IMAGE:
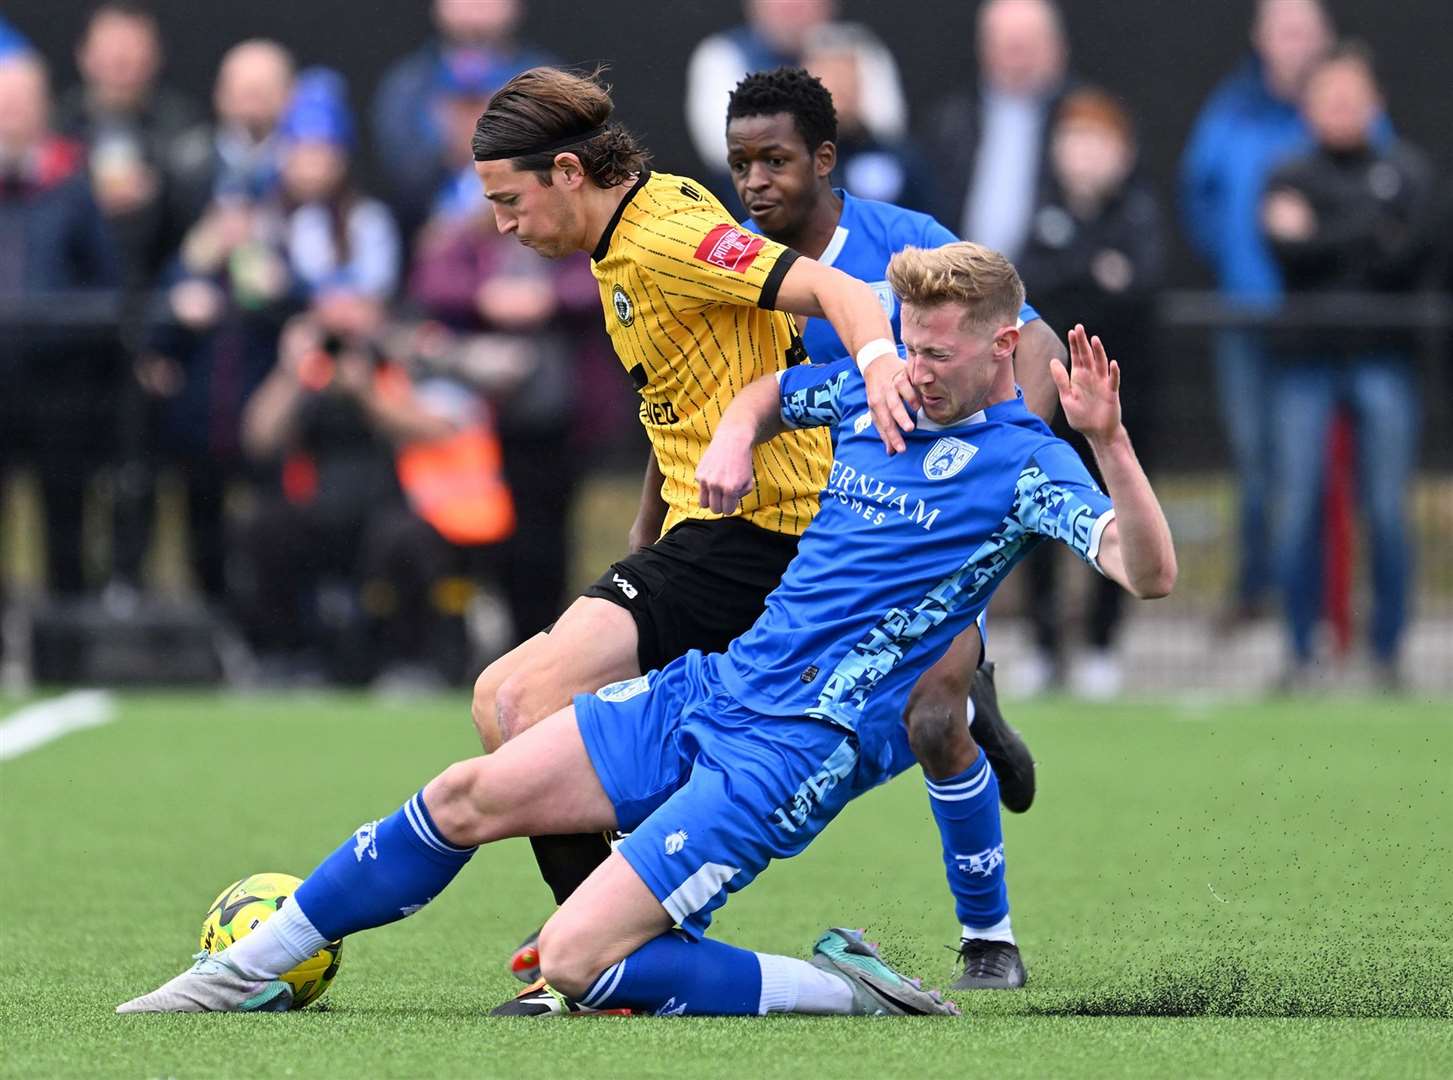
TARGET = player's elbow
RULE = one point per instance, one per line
(1158, 581)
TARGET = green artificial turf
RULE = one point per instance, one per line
(1201, 890)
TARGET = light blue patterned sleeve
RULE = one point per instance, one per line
(812, 394)
(1056, 498)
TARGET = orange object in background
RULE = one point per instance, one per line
(457, 485)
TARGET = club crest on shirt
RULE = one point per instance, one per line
(625, 312)
(947, 457)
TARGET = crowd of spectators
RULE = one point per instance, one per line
(372, 400)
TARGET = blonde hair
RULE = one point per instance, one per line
(979, 279)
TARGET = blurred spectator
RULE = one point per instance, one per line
(337, 240)
(885, 168)
(524, 326)
(409, 130)
(229, 292)
(1250, 123)
(11, 40)
(1353, 214)
(337, 575)
(134, 129)
(990, 144)
(774, 35)
(238, 158)
(1095, 255)
(55, 386)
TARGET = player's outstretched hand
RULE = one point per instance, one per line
(892, 401)
(1089, 392)
(724, 474)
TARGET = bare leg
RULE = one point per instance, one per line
(593, 644)
(539, 784)
(609, 917)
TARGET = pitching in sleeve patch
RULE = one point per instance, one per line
(730, 248)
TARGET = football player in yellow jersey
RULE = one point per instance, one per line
(697, 308)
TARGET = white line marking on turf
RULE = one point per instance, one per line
(35, 725)
(1213, 892)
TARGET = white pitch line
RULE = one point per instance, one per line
(35, 725)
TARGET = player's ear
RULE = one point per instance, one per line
(1006, 340)
(824, 159)
(572, 173)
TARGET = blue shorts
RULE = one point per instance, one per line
(709, 791)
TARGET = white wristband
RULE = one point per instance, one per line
(872, 350)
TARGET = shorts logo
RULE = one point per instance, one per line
(625, 586)
(730, 248)
(861, 423)
(622, 304)
(947, 457)
(625, 689)
(675, 842)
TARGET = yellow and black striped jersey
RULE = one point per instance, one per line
(687, 297)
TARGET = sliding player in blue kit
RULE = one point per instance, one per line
(720, 763)
(781, 151)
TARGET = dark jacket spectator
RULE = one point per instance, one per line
(134, 130)
(237, 159)
(871, 166)
(990, 144)
(409, 130)
(1353, 213)
(1095, 255)
(57, 383)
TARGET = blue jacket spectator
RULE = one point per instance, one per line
(1247, 128)
(1243, 132)
(408, 127)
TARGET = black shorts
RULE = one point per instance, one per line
(698, 587)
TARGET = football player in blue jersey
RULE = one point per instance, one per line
(781, 134)
(720, 763)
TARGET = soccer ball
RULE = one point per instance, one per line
(244, 906)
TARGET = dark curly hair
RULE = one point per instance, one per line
(545, 106)
(792, 91)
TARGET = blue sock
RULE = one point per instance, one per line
(386, 870)
(671, 976)
(966, 808)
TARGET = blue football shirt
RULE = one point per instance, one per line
(868, 234)
(904, 553)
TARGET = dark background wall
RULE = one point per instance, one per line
(1163, 56)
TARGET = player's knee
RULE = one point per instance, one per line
(569, 959)
(939, 736)
(513, 701)
(458, 801)
(523, 699)
(483, 709)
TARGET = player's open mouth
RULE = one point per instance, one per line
(758, 209)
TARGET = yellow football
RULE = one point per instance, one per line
(244, 906)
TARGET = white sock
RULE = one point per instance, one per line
(278, 945)
(1000, 931)
(790, 985)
